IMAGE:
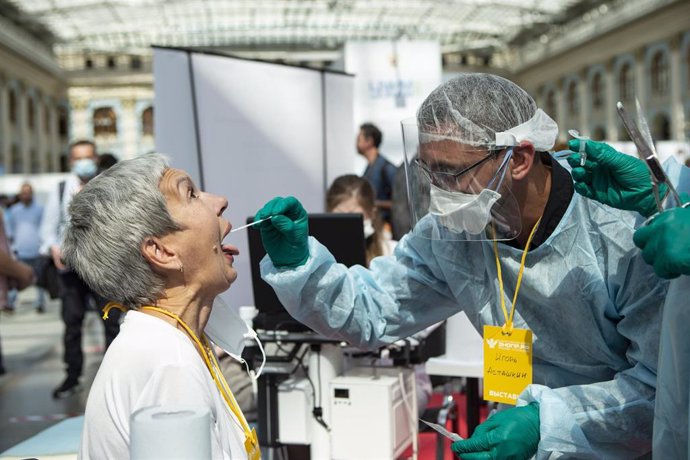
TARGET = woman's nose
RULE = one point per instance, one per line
(223, 202)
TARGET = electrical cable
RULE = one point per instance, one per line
(318, 411)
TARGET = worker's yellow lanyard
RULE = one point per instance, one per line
(251, 443)
(507, 350)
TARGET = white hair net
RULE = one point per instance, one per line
(485, 110)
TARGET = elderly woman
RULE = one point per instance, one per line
(141, 234)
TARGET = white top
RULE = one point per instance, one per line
(152, 363)
(55, 214)
(388, 244)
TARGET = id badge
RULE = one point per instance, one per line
(507, 363)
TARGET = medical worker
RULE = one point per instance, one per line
(504, 236)
(623, 182)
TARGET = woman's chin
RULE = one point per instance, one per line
(231, 277)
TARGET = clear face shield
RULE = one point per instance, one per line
(458, 191)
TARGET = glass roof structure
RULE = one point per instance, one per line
(131, 25)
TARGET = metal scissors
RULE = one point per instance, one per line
(646, 152)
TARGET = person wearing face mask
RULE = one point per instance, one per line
(507, 241)
(353, 194)
(75, 295)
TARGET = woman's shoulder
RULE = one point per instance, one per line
(148, 342)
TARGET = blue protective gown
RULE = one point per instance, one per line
(673, 382)
(592, 303)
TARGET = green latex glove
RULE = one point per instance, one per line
(285, 236)
(664, 243)
(511, 434)
(613, 178)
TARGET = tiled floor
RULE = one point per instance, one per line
(32, 352)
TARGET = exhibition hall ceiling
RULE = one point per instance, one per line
(131, 25)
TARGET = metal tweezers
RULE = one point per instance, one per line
(649, 156)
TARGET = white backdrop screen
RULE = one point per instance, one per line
(264, 130)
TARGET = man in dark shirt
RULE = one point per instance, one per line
(380, 172)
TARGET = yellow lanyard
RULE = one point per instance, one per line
(251, 443)
(508, 326)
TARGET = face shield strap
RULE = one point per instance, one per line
(540, 130)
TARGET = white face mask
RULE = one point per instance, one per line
(466, 212)
(462, 212)
(229, 331)
(368, 228)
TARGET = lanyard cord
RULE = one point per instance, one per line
(508, 326)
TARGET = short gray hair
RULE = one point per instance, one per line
(109, 219)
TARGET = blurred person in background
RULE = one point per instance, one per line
(12, 274)
(355, 195)
(380, 172)
(24, 222)
(75, 294)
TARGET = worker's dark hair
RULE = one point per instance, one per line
(370, 131)
(106, 160)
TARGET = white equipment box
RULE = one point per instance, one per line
(369, 417)
(294, 411)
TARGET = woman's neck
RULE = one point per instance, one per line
(193, 309)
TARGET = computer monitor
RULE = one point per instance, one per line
(342, 234)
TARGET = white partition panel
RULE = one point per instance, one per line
(264, 130)
(174, 110)
(340, 143)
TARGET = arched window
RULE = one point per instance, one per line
(17, 163)
(626, 82)
(659, 73)
(35, 162)
(687, 66)
(13, 106)
(661, 128)
(104, 122)
(147, 122)
(597, 91)
(573, 99)
(551, 108)
(62, 121)
(31, 113)
(46, 118)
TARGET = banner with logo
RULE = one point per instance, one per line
(391, 81)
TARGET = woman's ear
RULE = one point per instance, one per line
(522, 160)
(160, 256)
